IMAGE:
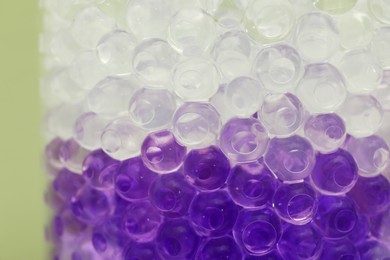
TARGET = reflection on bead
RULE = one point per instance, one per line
(339, 249)
(142, 251)
(88, 129)
(219, 248)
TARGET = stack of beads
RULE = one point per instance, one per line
(217, 129)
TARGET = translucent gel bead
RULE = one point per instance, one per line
(196, 125)
(373, 249)
(152, 109)
(177, 240)
(243, 96)
(228, 13)
(219, 248)
(213, 213)
(322, 88)
(232, 53)
(326, 132)
(371, 153)
(371, 195)
(291, 158)
(361, 230)
(251, 185)
(142, 251)
(273, 255)
(335, 173)
(88, 129)
(380, 46)
(67, 184)
(335, 6)
(362, 71)
(133, 180)
(196, 79)
(171, 194)
(380, 9)
(72, 155)
(100, 170)
(279, 67)
(141, 221)
(316, 37)
(300, 242)
(153, 60)
(90, 205)
(191, 31)
(267, 21)
(356, 30)
(281, 114)
(339, 249)
(52, 152)
(121, 139)
(382, 93)
(65, 225)
(82, 250)
(295, 203)
(379, 226)
(207, 168)
(336, 216)
(161, 152)
(362, 115)
(257, 231)
(243, 139)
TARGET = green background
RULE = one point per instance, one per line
(22, 213)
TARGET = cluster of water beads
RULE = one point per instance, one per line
(226, 129)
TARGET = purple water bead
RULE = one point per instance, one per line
(274, 255)
(219, 248)
(300, 242)
(379, 225)
(336, 216)
(371, 195)
(361, 230)
(100, 170)
(133, 179)
(251, 185)
(52, 153)
(243, 139)
(290, 158)
(172, 195)
(339, 249)
(66, 226)
(138, 251)
(207, 168)
(372, 249)
(72, 155)
(335, 173)
(177, 240)
(257, 231)
(213, 213)
(162, 153)
(295, 203)
(67, 184)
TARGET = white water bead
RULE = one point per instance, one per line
(279, 67)
(382, 93)
(380, 46)
(362, 115)
(191, 31)
(196, 79)
(62, 46)
(335, 6)
(228, 13)
(361, 70)
(380, 9)
(244, 96)
(322, 88)
(64, 88)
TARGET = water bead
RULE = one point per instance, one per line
(274, 255)
(295, 203)
(196, 79)
(361, 231)
(335, 6)
(67, 184)
(380, 46)
(65, 226)
(171, 194)
(219, 248)
(339, 249)
(316, 37)
(142, 251)
(213, 213)
(335, 173)
(251, 185)
(291, 158)
(72, 155)
(133, 180)
(362, 115)
(257, 231)
(196, 125)
(267, 21)
(379, 227)
(191, 31)
(228, 13)
(326, 132)
(52, 152)
(382, 93)
(82, 250)
(278, 66)
(170, 242)
(281, 114)
(322, 88)
(336, 216)
(380, 9)
(162, 153)
(88, 129)
(356, 30)
(152, 109)
(243, 139)
(373, 249)
(300, 242)
(121, 139)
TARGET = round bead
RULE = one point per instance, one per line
(243, 139)
(335, 7)
(379, 227)
(380, 10)
(171, 194)
(161, 153)
(339, 249)
(227, 14)
(142, 251)
(290, 158)
(72, 155)
(88, 129)
(295, 203)
(65, 225)
(257, 231)
(380, 46)
(382, 93)
(196, 125)
(373, 249)
(67, 184)
(52, 152)
(335, 173)
(213, 213)
(326, 132)
(274, 255)
(219, 248)
(251, 185)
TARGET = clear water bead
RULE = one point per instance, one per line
(380, 9)
(335, 6)
(382, 93)
(88, 129)
(380, 46)
(228, 13)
